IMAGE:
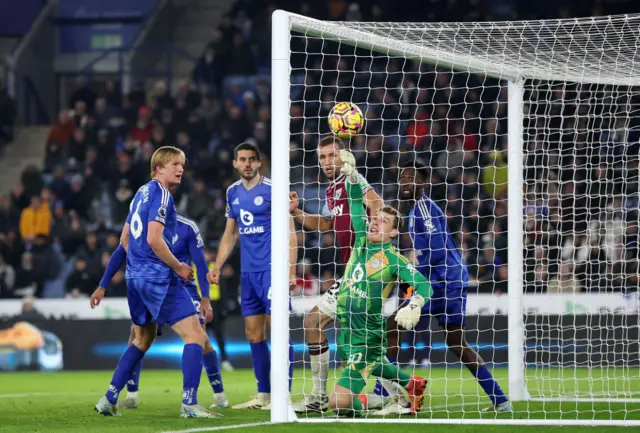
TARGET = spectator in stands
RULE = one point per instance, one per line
(29, 311)
(84, 94)
(91, 251)
(46, 265)
(7, 279)
(8, 115)
(77, 147)
(55, 156)
(9, 215)
(35, 220)
(241, 60)
(31, 181)
(12, 247)
(81, 283)
(79, 115)
(112, 94)
(209, 71)
(61, 131)
(104, 113)
(121, 200)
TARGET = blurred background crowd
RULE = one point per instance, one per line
(61, 222)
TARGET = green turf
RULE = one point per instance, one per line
(63, 402)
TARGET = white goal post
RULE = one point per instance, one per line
(597, 51)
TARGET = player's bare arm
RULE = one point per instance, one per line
(161, 249)
(96, 297)
(227, 243)
(317, 223)
(372, 201)
(293, 252)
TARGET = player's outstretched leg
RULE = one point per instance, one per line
(256, 332)
(414, 388)
(381, 393)
(144, 336)
(459, 347)
(212, 368)
(194, 338)
(314, 323)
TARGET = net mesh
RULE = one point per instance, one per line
(437, 94)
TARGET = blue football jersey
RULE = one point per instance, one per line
(188, 247)
(252, 211)
(152, 202)
(439, 260)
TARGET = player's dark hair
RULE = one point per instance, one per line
(332, 139)
(397, 223)
(246, 146)
(421, 169)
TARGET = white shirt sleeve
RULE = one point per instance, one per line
(325, 211)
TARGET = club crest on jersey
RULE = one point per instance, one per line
(246, 217)
(376, 263)
(258, 200)
(338, 194)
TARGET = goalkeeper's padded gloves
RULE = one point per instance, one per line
(349, 166)
(409, 316)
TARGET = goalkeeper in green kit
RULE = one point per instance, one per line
(373, 269)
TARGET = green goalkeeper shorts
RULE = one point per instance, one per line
(360, 360)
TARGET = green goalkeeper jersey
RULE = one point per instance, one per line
(370, 274)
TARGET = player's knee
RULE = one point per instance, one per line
(208, 348)
(312, 321)
(340, 400)
(255, 335)
(143, 342)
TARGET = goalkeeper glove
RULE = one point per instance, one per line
(349, 166)
(409, 316)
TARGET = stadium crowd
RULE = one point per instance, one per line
(60, 223)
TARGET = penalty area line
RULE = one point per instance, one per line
(221, 427)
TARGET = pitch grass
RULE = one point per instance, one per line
(63, 402)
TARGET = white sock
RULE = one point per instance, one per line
(391, 387)
(132, 395)
(375, 401)
(395, 389)
(320, 373)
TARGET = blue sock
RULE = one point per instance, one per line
(262, 365)
(212, 368)
(379, 389)
(490, 386)
(134, 381)
(123, 372)
(291, 361)
(191, 371)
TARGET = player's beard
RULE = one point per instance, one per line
(407, 192)
(331, 175)
(249, 176)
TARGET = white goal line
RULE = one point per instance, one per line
(587, 399)
(496, 421)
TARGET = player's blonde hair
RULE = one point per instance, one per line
(163, 156)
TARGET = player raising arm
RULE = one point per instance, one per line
(335, 216)
(373, 269)
(440, 261)
(154, 293)
(188, 248)
(249, 216)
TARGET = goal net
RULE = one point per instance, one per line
(530, 133)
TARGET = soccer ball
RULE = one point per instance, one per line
(345, 119)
